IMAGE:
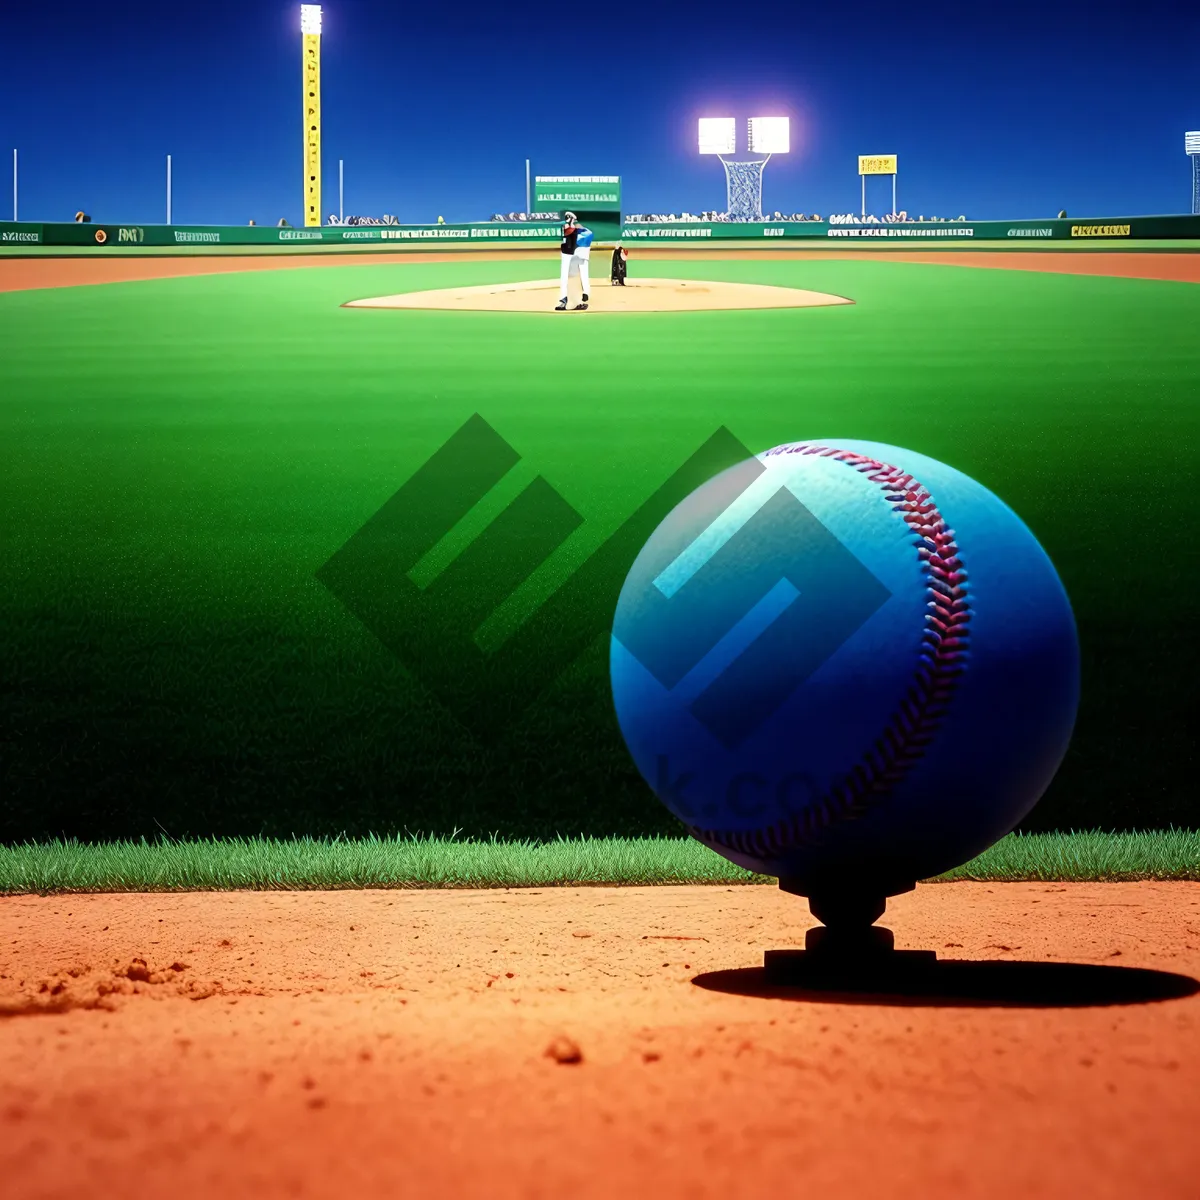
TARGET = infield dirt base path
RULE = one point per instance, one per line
(395, 1044)
(23, 274)
(1177, 268)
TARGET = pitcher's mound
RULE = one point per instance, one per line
(639, 295)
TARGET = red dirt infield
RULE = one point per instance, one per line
(590, 1043)
(23, 274)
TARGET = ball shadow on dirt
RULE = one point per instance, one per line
(964, 984)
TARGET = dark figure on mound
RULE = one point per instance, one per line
(620, 265)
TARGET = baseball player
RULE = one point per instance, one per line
(576, 252)
(620, 265)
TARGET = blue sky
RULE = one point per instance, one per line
(1015, 113)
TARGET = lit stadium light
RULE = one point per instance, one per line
(310, 18)
(770, 135)
(718, 135)
(1191, 142)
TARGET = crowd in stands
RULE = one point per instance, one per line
(899, 218)
(656, 218)
(386, 219)
(520, 216)
(778, 216)
(834, 219)
(712, 217)
(718, 217)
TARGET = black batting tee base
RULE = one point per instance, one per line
(848, 951)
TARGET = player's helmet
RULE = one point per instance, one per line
(570, 218)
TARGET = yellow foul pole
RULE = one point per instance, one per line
(310, 27)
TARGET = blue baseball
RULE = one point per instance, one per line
(844, 659)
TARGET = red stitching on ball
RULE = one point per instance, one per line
(945, 647)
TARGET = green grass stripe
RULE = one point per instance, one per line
(179, 457)
(1088, 857)
(263, 864)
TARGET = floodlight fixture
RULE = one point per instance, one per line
(718, 135)
(310, 19)
(769, 135)
(1191, 142)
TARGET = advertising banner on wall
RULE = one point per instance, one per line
(22, 234)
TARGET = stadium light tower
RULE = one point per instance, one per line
(1191, 143)
(310, 27)
(743, 178)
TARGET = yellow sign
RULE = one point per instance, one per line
(1099, 230)
(877, 164)
(312, 129)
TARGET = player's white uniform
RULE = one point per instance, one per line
(577, 262)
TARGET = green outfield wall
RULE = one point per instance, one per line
(114, 237)
(108, 237)
(929, 231)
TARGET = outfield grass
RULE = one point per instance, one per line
(180, 457)
(308, 864)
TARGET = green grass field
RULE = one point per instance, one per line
(179, 458)
(312, 864)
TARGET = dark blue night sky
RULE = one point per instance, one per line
(1012, 113)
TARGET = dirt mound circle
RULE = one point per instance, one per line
(638, 296)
